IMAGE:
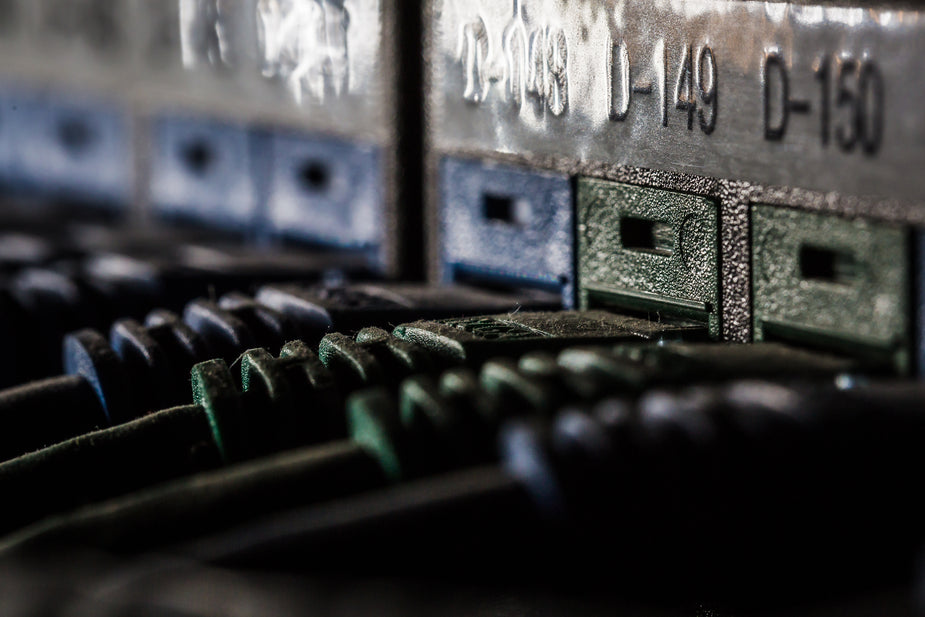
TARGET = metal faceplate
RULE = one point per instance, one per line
(817, 97)
(317, 58)
(315, 64)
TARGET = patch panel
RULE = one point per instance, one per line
(644, 105)
(674, 307)
(204, 111)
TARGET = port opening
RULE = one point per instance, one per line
(314, 176)
(505, 209)
(645, 236)
(75, 135)
(198, 157)
(827, 265)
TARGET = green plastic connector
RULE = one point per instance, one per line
(214, 390)
(833, 282)
(650, 251)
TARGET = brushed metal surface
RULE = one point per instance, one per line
(552, 78)
(320, 64)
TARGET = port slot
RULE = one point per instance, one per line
(69, 148)
(648, 252)
(198, 157)
(503, 224)
(314, 176)
(644, 236)
(832, 283)
(827, 265)
(203, 172)
(506, 210)
(498, 208)
(75, 136)
(325, 192)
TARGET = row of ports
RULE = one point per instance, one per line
(817, 279)
(820, 278)
(269, 182)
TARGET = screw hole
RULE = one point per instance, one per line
(314, 175)
(198, 157)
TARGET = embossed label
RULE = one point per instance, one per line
(531, 63)
(818, 97)
(304, 44)
(207, 33)
(849, 107)
(320, 65)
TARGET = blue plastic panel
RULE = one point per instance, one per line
(7, 113)
(325, 191)
(73, 148)
(503, 224)
(202, 171)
